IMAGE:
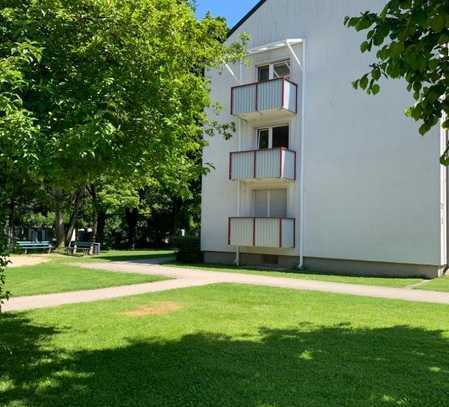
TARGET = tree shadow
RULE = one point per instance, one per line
(144, 256)
(306, 366)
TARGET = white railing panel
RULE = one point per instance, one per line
(244, 99)
(241, 231)
(288, 233)
(267, 232)
(290, 95)
(242, 166)
(289, 162)
(269, 95)
(268, 163)
(262, 232)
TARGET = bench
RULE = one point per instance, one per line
(26, 245)
(89, 248)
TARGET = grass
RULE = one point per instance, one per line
(53, 277)
(438, 284)
(377, 281)
(228, 346)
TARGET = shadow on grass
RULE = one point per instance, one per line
(307, 366)
(128, 256)
(137, 256)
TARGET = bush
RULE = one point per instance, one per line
(189, 250)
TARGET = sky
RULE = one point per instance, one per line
(233, 10)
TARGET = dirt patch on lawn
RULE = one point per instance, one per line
(158, 308)
(27, 260)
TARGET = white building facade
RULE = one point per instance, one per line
(319, 175)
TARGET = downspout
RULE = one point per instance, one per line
(237, 249)
(446, 139)
(301, 175)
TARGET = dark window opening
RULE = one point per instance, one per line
(264, 139)
(263, 73)
(280, 137)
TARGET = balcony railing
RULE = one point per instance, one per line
(276, 163)
(277, 98)
(262, 232)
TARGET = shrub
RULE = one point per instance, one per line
(189, 250)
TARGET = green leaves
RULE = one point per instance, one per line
(438, 23)
(93, 90)
(412, 39)
(112, 87)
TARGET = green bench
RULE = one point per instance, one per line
(26, 245)
(89, 248)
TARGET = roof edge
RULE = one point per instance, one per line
(246, 17)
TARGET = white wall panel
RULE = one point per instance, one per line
(372, 184)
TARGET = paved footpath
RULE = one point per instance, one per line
(185, 277)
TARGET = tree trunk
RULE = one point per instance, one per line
(131, 219)
(101, 223)
(58, 197)
(59, 227)
(99, 216)
(93, 195)
(74, 216)
(11, 223)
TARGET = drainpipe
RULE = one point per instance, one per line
(446, 141)
(239, 129)
(301, 176)
(237, 249)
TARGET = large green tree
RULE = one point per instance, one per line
(411, 39)
(17, 128)
(119, 90)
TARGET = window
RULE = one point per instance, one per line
(275, 70)
(281, 70)
(263, 73)
(280, 137)
(270, 203)
(273, 137)
(263, 139)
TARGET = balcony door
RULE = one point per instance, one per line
(276, 70)
(273, 137)
(271, 203)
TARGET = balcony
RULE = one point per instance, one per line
(278, 164)
(274, 99)
(262, 232)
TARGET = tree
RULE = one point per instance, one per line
(16, 126)
(119, 90)
(411, 38)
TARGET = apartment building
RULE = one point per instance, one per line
(319, 175)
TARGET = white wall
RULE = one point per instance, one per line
(372, 184)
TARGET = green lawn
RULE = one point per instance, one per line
(380, 281)
(228, 345)
(438, 284)
(53, 277)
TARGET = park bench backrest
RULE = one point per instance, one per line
(81, 244)
(33, 243)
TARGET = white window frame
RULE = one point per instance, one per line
(268, 191)
(271, 68)
(270, 134)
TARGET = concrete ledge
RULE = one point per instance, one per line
(372, 268)
(219, 258)
(330, 266)
(250, 259)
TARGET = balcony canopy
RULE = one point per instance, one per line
(275, 45)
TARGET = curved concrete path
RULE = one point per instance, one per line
(185, 277)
